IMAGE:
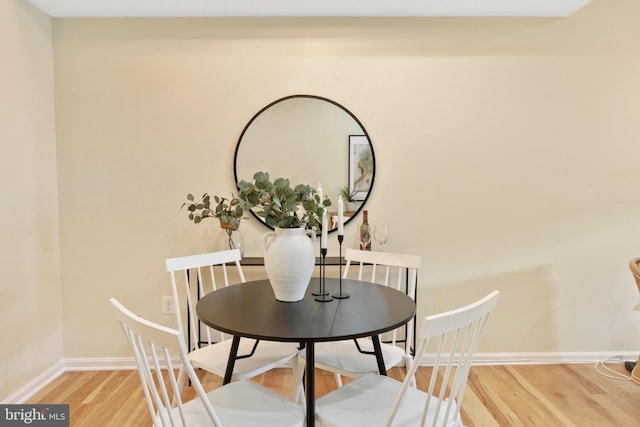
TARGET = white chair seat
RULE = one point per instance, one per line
(344, 358)
(268, 355)
(243, 404)
(366, 402)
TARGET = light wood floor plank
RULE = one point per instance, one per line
(504, 396)
(492, 393)
(542, 409)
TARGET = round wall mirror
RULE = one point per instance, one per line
(310, 140)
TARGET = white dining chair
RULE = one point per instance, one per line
(376, 400)
(160, 351)
(398, 271)
(208, 348)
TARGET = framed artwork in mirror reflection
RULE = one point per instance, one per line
(360, 166)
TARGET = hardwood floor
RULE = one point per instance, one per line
(522, 395)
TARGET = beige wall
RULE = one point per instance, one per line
(30, 305)
(507, 157)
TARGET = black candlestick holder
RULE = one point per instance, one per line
(324, 296)
(340, 294)
(320, 290)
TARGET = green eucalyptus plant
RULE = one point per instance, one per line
(281, 205)
(228, 211)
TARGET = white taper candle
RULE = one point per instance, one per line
(340, 216)
(321, 194)
(325, 231)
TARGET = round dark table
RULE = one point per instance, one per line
(251, 310)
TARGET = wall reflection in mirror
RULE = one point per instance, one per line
(310, 140)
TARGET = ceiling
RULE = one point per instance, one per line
(306, 8)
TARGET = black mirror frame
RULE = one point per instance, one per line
(266, 107)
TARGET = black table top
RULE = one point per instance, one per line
(251, 310)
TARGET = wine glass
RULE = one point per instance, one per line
(381, 235)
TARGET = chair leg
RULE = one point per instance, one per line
(407, 362)
(635, 373)
(298, 375)
(338, 379)
(180, 381)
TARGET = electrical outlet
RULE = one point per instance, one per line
(168, 305)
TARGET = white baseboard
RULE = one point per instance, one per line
(100, 364)
(479, 359)
(36, 384)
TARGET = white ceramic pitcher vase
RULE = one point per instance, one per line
(289, 260)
